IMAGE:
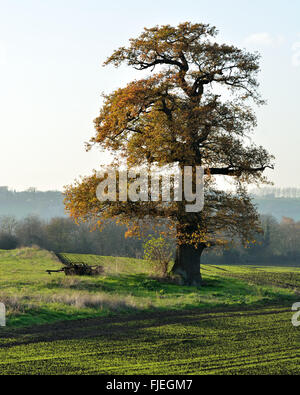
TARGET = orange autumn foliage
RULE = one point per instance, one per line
(192, 108)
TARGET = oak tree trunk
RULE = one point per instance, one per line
(187, 264)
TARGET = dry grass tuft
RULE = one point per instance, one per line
(99, 301)
(16, 304)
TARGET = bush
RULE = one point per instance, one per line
(8, 242)
(158, 252)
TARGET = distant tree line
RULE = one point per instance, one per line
(278, 244)
(290, 193)
(63, 235)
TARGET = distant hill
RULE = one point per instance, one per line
(21, 204)
(277, 202)
(279, 207)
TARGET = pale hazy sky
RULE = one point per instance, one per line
(51, 77)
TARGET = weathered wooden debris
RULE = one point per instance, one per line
(76, 268)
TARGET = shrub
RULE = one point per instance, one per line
(158, 252)
(8, 241)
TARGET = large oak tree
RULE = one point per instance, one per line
(191, 107)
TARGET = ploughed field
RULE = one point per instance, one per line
(129, 322)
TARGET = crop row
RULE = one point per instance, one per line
(194, 343)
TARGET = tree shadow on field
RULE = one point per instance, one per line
(134, 284)
(142, 324)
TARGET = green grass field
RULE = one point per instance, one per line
(129, 322)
